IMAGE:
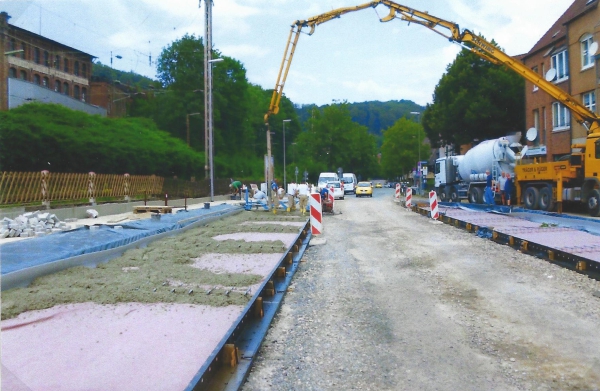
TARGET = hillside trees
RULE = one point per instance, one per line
(333, 140)
(475, 99)
(50, 137)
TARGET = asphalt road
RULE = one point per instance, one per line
(396, 301)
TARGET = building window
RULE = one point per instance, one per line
(57, 86)
(84, 70)
(12, 73)
(587, 58)
(13, 45)
(589, 101)
(535, 69)
(561, 118)
(46, 58)
(37, 79)
(46, 82)
(76, 68)
(76, 92)
(24, 48)
(536, 120)
(36, 55)
(23, 75)
(84, 94)
(66, 65)
(57, 61)
(66, 88)
(560, 63)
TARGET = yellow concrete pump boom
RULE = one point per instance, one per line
(449, 30)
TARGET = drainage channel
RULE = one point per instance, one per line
(230, 362)
(567, 247)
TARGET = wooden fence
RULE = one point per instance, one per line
(44, 186)
(23, 188)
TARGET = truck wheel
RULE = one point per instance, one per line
(546, 199)
(532, 198)
(476, 196)
(453, 195)
(593, 203)
(442, 194)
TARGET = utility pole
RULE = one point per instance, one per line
(208, 89)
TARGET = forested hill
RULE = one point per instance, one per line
(375, 115)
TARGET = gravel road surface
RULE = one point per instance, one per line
(396, 301)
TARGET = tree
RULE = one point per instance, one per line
(333, 140)
(400, 148)
(474, 99)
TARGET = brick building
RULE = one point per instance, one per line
(564, 49)
(35, 68)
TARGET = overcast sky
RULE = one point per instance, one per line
(354, 58)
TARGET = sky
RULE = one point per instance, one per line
(354, 58)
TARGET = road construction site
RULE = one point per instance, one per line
(392, 300)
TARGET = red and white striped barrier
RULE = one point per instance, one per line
(397, 196)
(433, 204)
(316, 213)
(409, 198)
(331, 196)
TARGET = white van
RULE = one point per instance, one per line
(325, 177)
(350, 181)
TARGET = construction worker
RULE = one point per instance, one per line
(291, 196)
(274, 198)
(236, 188)
(303, 195)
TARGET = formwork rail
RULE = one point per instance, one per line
(581, 258)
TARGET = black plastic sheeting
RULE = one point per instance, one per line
(62, 245)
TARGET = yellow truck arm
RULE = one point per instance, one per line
(449, 30)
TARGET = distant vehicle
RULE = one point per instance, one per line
(338, 189)
(378, 185)
(364, 189)
(350, 182)
(325, 177)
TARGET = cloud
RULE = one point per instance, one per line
(241, 51)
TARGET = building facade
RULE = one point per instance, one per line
(562, 55)
(34, 68)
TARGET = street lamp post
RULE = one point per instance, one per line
(418, 114)
(187, 124)
(284, 177)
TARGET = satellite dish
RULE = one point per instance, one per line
(593, 48)
(551, 74)
(531, 134)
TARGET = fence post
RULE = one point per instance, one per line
(45, 194)
(91, 189)
(126, 185)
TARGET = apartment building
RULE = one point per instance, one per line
(34, 68)
(563, 53)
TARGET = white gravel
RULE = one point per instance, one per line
(396, 301)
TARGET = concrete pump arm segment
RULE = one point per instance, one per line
(449, 30)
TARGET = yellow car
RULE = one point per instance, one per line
(364, 189)
(378, 185)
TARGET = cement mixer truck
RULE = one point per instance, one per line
(464, 176)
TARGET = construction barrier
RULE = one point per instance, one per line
(433, 204)
(397, 196)
(316, 214)
(331, 197)
(409, 198)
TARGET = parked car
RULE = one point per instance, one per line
(378, 185)
(364, 189)
(338, 189)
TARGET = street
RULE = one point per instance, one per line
(396, 301)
